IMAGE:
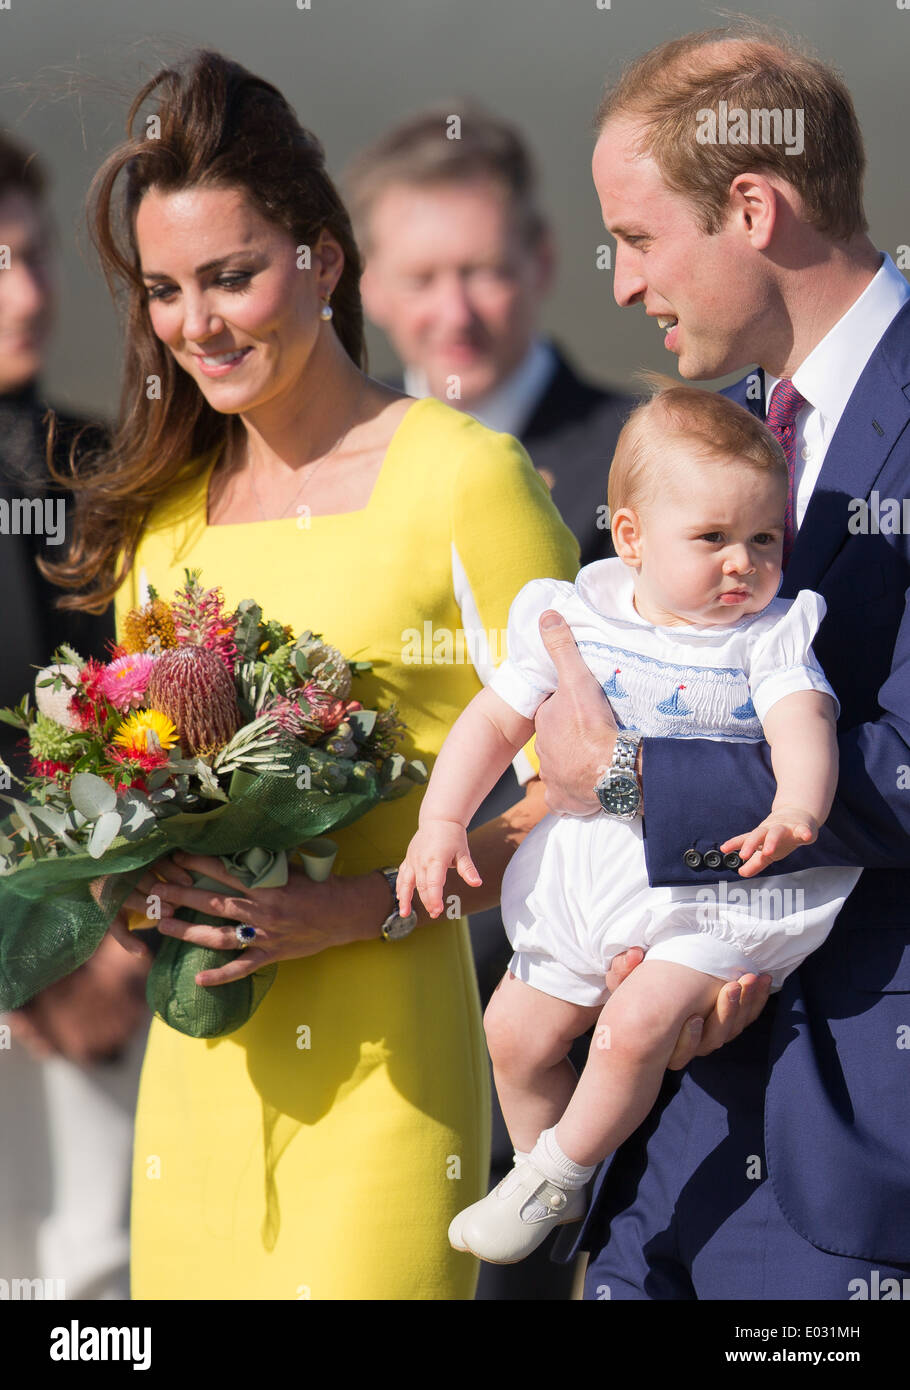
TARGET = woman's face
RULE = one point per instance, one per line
(227, 296)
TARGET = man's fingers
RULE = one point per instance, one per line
(687, 1044)
(561, 646)
(120, 931)
(621, 966)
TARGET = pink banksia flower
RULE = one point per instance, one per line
(308, 714)
(200, 620)
(123, 682)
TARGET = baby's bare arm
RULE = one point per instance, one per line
(802, 735)
(479, 747)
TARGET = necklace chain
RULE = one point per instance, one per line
(311, 474)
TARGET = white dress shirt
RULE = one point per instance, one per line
(828, 375)
(510, 405)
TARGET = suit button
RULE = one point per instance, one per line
(732, 861)
(713, 859)
(692, 858)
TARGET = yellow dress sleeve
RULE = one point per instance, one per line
(506, 530)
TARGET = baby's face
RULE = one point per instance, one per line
(710, 543)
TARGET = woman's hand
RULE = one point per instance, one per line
(300, 919)
(738, 1004)
(143, 901)
(436, 846)
(575, 726)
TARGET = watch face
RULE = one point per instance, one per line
(621, 797)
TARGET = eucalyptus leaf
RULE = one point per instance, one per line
(361, 722)
(391, 769)
(106, 830)
(92, 796)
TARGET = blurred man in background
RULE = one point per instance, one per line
(458, 261)
(69, 1074)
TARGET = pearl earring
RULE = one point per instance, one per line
(326, 312)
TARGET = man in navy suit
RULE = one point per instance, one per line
(779, 1165)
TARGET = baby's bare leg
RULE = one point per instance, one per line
(633, 1042)
(529, 1034)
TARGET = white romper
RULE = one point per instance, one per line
(576, 891)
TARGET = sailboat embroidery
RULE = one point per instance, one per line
(746, 711)
(613, 687)
(673, 704)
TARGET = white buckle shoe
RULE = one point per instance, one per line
(501, 1230)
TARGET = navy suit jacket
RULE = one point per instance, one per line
(837, 1100)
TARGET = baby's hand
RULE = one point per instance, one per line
(437, 845)
(779, 834)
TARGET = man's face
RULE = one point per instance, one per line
(451, 283)
(709, 289)
(27, 290)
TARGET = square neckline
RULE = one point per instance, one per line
(206, 477)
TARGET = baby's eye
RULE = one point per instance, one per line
(764, 538)
(712, 537)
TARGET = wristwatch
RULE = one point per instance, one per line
(618, 791)
(395, 926)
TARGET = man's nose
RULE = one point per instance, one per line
(24, 290)
(629, 284)
(453, 302)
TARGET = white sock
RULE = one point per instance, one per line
(556, 1165)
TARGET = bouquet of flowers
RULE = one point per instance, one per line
(211, 731)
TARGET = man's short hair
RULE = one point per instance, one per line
(21, 171)
(754, 69)
(421, 152)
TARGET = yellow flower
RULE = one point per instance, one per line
(133, 733)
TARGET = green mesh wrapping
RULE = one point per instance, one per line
(50, 923)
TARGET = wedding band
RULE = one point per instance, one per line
(245, 933)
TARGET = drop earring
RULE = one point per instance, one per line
(326, 313)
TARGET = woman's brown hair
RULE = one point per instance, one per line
(216, 126)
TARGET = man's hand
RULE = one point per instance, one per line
(575, 727)
(738, 1004)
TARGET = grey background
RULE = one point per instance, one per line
(352, 67)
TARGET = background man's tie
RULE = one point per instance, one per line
(783, 408)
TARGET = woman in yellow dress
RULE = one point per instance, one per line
(321, 1150)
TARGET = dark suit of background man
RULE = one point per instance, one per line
(458, 262)
(69, 1079)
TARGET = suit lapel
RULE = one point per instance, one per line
(873, 420)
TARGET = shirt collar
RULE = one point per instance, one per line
(509, 406)
(828, 375)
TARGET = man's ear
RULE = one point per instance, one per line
(754, 201)
(626, 533)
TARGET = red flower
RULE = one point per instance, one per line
(89, 706)
(43, 767)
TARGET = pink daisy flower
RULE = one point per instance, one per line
(123, 682)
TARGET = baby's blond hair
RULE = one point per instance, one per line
(721, 431)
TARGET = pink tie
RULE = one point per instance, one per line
(783, 408)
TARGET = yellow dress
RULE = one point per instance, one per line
(322, 1149)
